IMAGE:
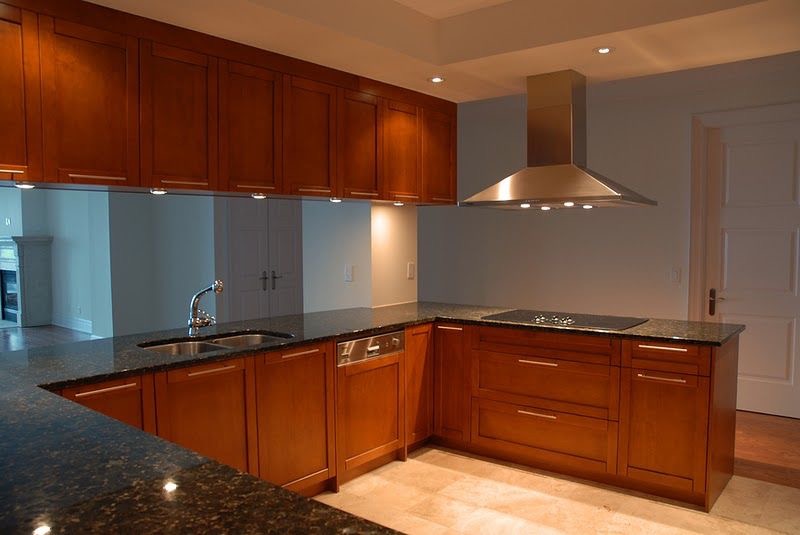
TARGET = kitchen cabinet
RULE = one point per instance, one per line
(90, 104)
(438, 157)
(210, 408)
(451, 382)
(130, 400)
(309, 137)
(419, 383)
(295, 400)
(251, 102)
(402, 173)
(179, 117)
(370, 419)
(663, 428)
(20, 106)
(360, 145)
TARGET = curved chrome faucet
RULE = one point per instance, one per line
(198, 317)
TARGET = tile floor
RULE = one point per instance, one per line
(438, 491)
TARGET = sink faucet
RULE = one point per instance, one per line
(198, 317)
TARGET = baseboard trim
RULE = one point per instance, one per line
(76, 324)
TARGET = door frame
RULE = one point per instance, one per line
(705, 127)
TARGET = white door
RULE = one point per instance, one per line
(265, 258)
(752, 259)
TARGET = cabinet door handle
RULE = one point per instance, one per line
(250, 186)
(97, 177)
(213, 370)
(538, 363)
(443, 199)
(400, 196)
(665, 379)
(12, 171)
(314, 190)
(445, 328)
(664, 348)
(538, 414)
(104, 390)
(184, 182)
(364, 193)
(300, 354)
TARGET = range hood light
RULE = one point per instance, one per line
(569, 204)
(436, 79)
(604, 50)
(525, 205)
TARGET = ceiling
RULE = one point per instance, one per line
(486, 48)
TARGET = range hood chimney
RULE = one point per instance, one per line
(556, 172)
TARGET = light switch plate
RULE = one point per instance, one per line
(348, 273)
(411, 270)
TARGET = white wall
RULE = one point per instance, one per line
(615, 261)
(394, 245)
(335, 234)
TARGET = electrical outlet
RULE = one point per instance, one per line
(348, 273)
(675, 275)
(8, 221)
(411, 270)
(80, 310)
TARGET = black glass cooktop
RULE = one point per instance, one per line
(565, 319)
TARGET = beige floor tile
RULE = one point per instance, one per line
(487, 493)
(486, 521)
(442, 510)
(427, 477)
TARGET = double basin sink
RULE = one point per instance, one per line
(233, 340)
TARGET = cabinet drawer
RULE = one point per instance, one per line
(665, 356)
(560, 385)
(542, 436)
(594, 349)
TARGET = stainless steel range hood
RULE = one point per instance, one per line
(556, 172)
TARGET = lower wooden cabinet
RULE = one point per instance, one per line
(128, 400)
(210, 408)
(370, 407)
(451, 382)
(419, 383)
(294, 395)
(664, 428)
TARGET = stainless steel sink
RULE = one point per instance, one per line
(244, 340)
(186, 348)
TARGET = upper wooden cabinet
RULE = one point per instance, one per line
(438, 157)
(419, 383)
(251, 101)
(402, 175)
(360, 145)
(179, 117)
(309, 137)
(129, 400)
(90, 101)
(20, 105)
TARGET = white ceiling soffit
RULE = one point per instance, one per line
(486, 48)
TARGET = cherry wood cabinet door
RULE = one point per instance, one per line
(370, 409)
(663, 428)
(20, 101)
(309, 137)
(130, 400)
(419, 383)
(210, 408)
(90, 104)
(438, 157)
(179, 117)
(402, 176)
(251, 101)
(451, 383)
(360, 145)
(295, 400)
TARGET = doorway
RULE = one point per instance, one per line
(745, 245)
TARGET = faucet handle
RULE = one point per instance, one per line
(218, 286)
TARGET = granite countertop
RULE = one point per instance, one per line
(77, 470)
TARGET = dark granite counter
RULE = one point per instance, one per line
(79, 471)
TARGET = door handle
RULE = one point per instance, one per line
(263, 278)
(273, 276)
(712, 301)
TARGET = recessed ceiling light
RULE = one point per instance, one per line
(604, 50)
(170, 486)
(397, 203)
(44, 529)
(258, 196)
(525, 205)
(569, 204)
(587, 206)
(436, 79)
(22, 185)
(545, 208)
(335, 199)
(158, 191)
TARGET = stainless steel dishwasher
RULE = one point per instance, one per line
(370, 403)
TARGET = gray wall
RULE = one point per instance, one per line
(614, 261)
(10, 212)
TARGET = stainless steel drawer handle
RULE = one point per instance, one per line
(97, 177)
(538, 363)
(104, 390)
(184, 182)
(665, 379)
(664, 348)
(445, 328)
(364, 193)
(314, 190)
(213, 370)
(300, 353)
(538, 414)
(373, 348)
(399, 196)
(249, 186)
(12, 171)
